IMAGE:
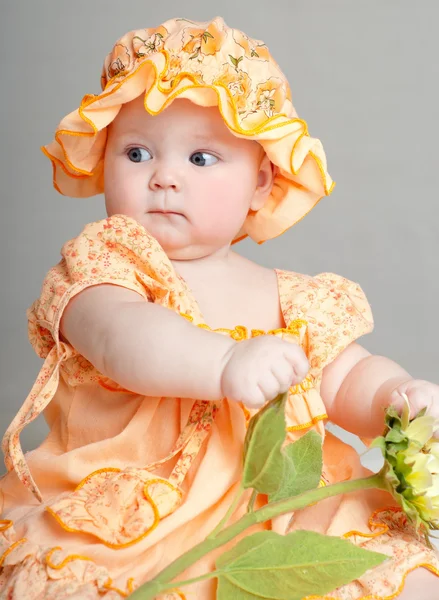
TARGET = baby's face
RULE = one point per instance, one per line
(183, 175)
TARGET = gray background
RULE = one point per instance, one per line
(364, 74)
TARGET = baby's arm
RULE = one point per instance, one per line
(153, 351)
(357, 386)
(144, 347)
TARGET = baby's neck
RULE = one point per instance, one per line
(213, 266)
(232, 290)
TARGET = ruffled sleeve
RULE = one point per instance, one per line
(116, 251)
(336, 311)
(332, 312)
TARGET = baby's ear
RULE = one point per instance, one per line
(266, 175)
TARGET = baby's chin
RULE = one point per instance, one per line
(179, 243)
(188, 251)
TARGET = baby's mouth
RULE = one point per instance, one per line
(164, 212)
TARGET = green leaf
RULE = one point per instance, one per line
(394, 449)
(380, 443)
(392, 418)
(302, 563)
(303, 467)
(235, 61)
(137, 37)
(206, 35)
(395, 436)
(264, 465)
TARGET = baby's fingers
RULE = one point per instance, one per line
(270, 386)
(298, 360)
(418, 398)
(285, 374)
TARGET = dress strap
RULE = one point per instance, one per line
(39, 397)
(198, 410)
(193, 447)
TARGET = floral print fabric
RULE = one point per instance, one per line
(107, 502)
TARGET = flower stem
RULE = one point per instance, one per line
(252, 501)
(163, 581)
(228, 514)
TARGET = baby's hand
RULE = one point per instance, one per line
(259, 369)
(421, 394)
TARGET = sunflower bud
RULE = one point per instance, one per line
(411, 468)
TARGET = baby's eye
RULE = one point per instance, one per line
(138, 154)
(203, 159)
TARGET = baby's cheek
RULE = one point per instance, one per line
(122, 196)
(224, 217)
(212, 218)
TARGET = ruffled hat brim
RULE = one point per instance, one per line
(301, 180)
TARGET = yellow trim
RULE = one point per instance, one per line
(235, 241)
(130, 585)
(71, 557)
(313, 421)
(303, 386)
(107, 586)
(262, 128)
(373, 524)
(5, 524)
(10, 549)
(61, 164)
(241, 332)
(322, 483)
(88, 100)
(97, 472)
(65, 561)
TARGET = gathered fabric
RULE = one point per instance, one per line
(123, 484)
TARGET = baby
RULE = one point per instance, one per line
(160, 342)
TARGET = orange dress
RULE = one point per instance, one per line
(123, 483)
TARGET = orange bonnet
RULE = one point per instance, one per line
(210, 64)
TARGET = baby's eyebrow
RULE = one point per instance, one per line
(203, 137)
(129, 134)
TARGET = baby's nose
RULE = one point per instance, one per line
(165, 178)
